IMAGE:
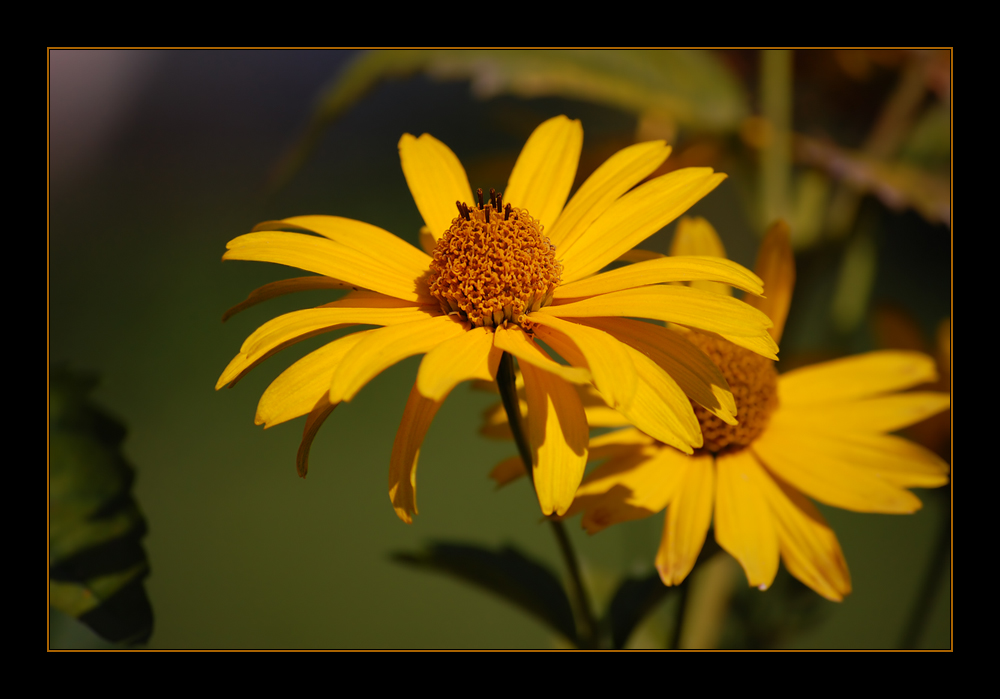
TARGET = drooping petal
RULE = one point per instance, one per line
(470, 355)
(545, 170)
(326, 257)
(634, 217)
(317, 416)
(436, 180)
(373, 241)
(607, 359)
(381, 349)
(723, 315)
(287, 329)
(744, 523)
(613, 178)
(285, 286)
(871, 415)
(417, 418)
(687, 520)
(830, 469)
(557, 434)
(808, 545)
(512, 339)
(855, 377)
(696, 236)
(694, 372)
(776, 266)
(299, 387)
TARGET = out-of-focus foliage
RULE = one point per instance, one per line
(663, 89)
(96, 561)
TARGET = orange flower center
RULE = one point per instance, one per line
(493, 265)
(754, 383)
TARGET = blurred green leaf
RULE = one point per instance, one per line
(507, 573)
(96, 561)
(686, 87)
(635, 599)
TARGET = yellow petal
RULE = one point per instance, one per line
(381, 349)
(545, 170)
(285, 286)
(808, 545)
(660, 408)
(830, 469)
(859, 376)
(639, 255)
(634, 484)
(734, 320)
(287, 329)
(557, 434)
(776, 266)
(696, 236)
(872, 415)
(470, 355)
(299, 387)
(417, 418)
(436, 180)
(329, 258)
(694, 372)
(663, 270)
(607, 359)
(371, 240)
(613, 178)
(612, 443)
(317, 416)
(512, 339)
(635, 217)
(687, 520)
(744, 524)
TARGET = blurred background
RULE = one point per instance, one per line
(158, 158)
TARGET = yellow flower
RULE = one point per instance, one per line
(504, 270)
(819, 431)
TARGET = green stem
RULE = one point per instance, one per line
(587, 627)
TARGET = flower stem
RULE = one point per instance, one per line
(587, 627)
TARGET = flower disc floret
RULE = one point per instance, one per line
(493, 265)
(754, 384)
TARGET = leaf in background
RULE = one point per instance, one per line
(661, 87)
(507, 573)
(635, 599)
(96, 561)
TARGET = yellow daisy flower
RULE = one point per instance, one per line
(504, 270)
(820, 431)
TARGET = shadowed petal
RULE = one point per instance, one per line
(470, 355)
(776, 266)
(317, 416)
(809, 547)
(512, 339)
(417, 418)
(696, 236)
(381, 349)
(557, 434)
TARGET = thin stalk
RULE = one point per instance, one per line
(587, 627)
